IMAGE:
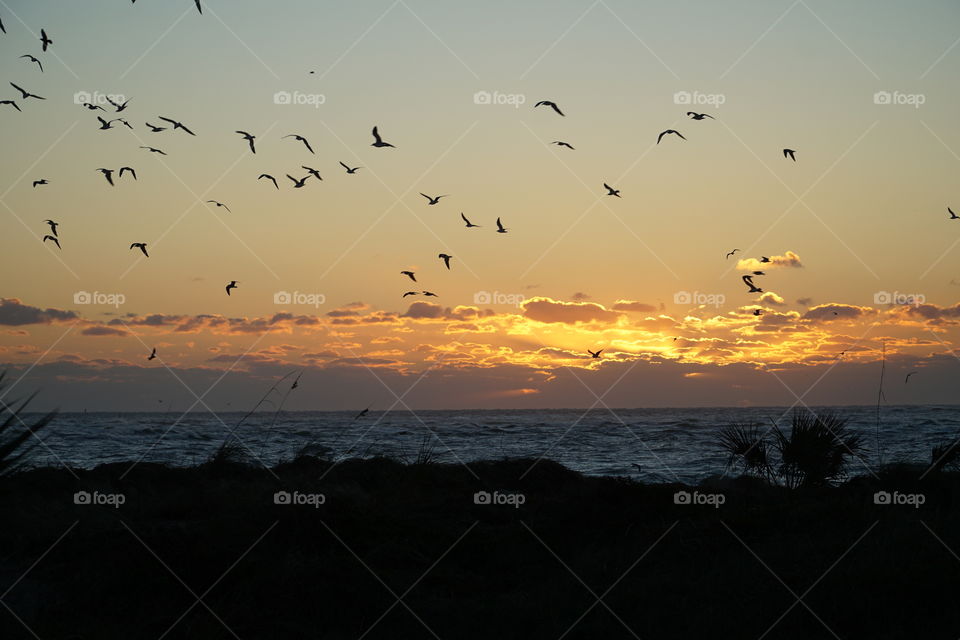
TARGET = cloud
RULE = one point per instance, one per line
(547, 310)
(633, 305)
(13, 313)
(789, 259)
(101, 330)
(771, 299)
(834, 311)
(580, 296)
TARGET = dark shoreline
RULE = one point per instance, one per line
(331, 570)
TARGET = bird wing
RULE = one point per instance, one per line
(376, 135)
(659, 137)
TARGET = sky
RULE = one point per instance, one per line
(864, 258)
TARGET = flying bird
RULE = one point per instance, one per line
(361, 414)
(907, 379)
(433, 200)
(26, 94)
(409, 293)
(2, 28)
(349, 169)
(232, 285)
(759, 273)
(119, 107)
(731, 253)
(12, 104)
(219, 204)
(301, 139)
(748, 280)
(40, 181)
(764, 259)
(53, 226)
(32, 59)
(154, 150)
(595, 354)
(548, 103)
(788, 153)
(297, 184)
(53, 240)
(153, 354)
(409, 274)
(469, 224)
(699, 116)
(611, 191)
(249, 138)
(953, 216)
(153, 128)
(378, 141)
(500, 227)
(269, 177)
(142, 246)
(197, 2)
(108, 174)
(313, 172)
(560, 143)
(92, 107)
(132, 172)
(177, 125)
(125, 123)
(429, 294)
(445, 258)
(757, 312)
(45, 40)
(105, 124)
(669, 131)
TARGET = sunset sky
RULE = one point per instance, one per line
(863, 251)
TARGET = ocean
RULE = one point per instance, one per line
(668, 444)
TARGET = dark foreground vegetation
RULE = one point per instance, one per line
(404, 551)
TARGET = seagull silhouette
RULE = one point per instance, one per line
(409, 274)
(757, 312)
(26, 94)
(297, 184)
(953, 216)
(232, 285)
(105, 124)
(349, 169)
(53, 226)
(108, 174)
(197, 2)
(153, 354)
(699, 116)
(142, 246)
(378, 141)
(731, 253)
(154, 150)
(40, 181)
(45, 40)
(409, 293)
(748, 280)
(560, 143)
(764, 259)
(429, 294)
(789, 153)
(117, 106)
(611, 191)
(313, 172)
(32, 59)
(153, 128)
(53, 240)
(549, 103)
(12, 104)
(92, 107)
(249, 138)
(445, 258)
(667, 132)
(907, 379)
(177, 125)
(433, 200)
(132, 172)
(469, 224)
(301, 139)
(269, 177)
(219, 204)
(595, 354)
(500, 227)
(361, 414)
